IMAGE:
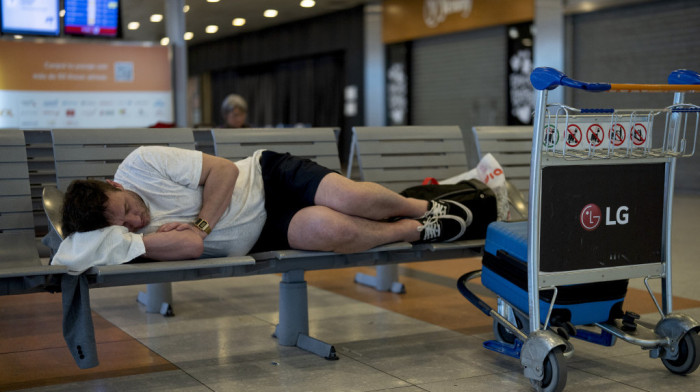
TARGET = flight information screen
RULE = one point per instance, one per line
(92, 17)
(34, 17)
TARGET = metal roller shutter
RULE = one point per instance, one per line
(460, 79)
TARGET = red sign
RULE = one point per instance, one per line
(638, 134)
(573, 135)
(617, 134)
(595, 135)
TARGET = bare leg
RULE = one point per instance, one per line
(366, 199)
(322, 228)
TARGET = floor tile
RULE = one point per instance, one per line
(298, 372)
(516, 382)
(170, 381)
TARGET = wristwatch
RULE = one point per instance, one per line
(203, 225)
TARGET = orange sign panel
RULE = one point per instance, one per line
(406, 20)
(53, 66)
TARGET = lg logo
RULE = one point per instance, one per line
(591, 217)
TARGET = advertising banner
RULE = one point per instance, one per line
(407, 20)
(76, 85)
(596, 216)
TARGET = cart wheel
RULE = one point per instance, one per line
(503, 335)
(688, 358)
(554, 378)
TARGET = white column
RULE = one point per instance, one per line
(549, 40)
(175, 30)
(375, 90)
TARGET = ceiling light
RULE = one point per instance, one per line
(17, 36)
(155, 18)
(185, 8)
(238, 21)
(188, 35)
(62, 13)
(307, 3)
(133, 25)
(587, 6)
(165, 41)
(270, 13)
(212, 1)
(211, 29)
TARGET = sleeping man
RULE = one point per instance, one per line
(188, 204)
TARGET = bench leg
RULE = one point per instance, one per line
(387, 279)
(157, 298)
(293, 327)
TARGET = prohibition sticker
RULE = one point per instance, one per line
(638, 134)
(573, 135)
(617, 134)
(595, 135)
(551, 136)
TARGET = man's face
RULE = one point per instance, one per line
(126, 208)
(236, 118)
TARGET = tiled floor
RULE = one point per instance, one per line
(429, 339)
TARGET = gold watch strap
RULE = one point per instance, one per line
(203, 225)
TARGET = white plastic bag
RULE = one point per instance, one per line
(490, 172)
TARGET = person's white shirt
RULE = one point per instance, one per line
(167, 179)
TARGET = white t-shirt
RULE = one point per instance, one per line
(167, 179)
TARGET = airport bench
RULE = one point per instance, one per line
(399, 157)
(96, 153)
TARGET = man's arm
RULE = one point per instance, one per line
(181, 244)
(218, 179)
(178, 240)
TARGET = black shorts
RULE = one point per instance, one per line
(290, 184)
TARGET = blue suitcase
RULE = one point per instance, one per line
(504, 271)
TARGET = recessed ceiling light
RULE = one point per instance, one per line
(270, 13)
(185, 8)
(155, 18)
(211, 29)
(165, 41)
(188, 35)
(238, 21)
(307, 3)
(212, 1)
(133, 25)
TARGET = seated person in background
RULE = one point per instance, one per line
(234, 111)
(188, 204)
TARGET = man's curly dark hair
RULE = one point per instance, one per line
(84, 206)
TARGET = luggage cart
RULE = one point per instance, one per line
(601, 191)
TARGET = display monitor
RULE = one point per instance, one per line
(97, 18)
(34, 17)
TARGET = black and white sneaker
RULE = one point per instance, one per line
(438, 208)
(446, 228)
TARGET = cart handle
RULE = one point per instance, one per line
(545, 78)
(684, 76)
